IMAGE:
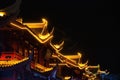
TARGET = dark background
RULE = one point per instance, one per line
(85, 26)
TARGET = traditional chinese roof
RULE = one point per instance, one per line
(39, 32)
(42, 35)
(12, 63)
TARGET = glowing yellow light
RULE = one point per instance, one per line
(72, 56)
(11, 62)
(39, 32)
(83, 66)
(67, 77)
(37, 25)
(79, 54)
(2, 14)
(45, 21)
(40, 37)
(19, 20)
(43, 36)
(42, 68)
(59, 45)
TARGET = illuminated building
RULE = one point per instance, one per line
(26, 49)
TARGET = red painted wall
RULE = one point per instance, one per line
(10, 56)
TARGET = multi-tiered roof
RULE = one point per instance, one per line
(25, 39)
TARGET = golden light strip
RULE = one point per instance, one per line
(11, 62)
(37, 25)
(41, 68)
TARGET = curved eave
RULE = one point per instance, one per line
(42, 39)
(13, 64)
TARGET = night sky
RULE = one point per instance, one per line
(85, 26)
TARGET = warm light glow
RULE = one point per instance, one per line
(81, 65)
(58, 46)
(43, 37)
(42, 68)
(11, 62)
(60, 64)
(39, 38)
(79, 54)
(19, 20)
(45, 21)
(67, 60)
(40, 32)
(2, 14)
(67, 77)
(37, 25)
(69, 56)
